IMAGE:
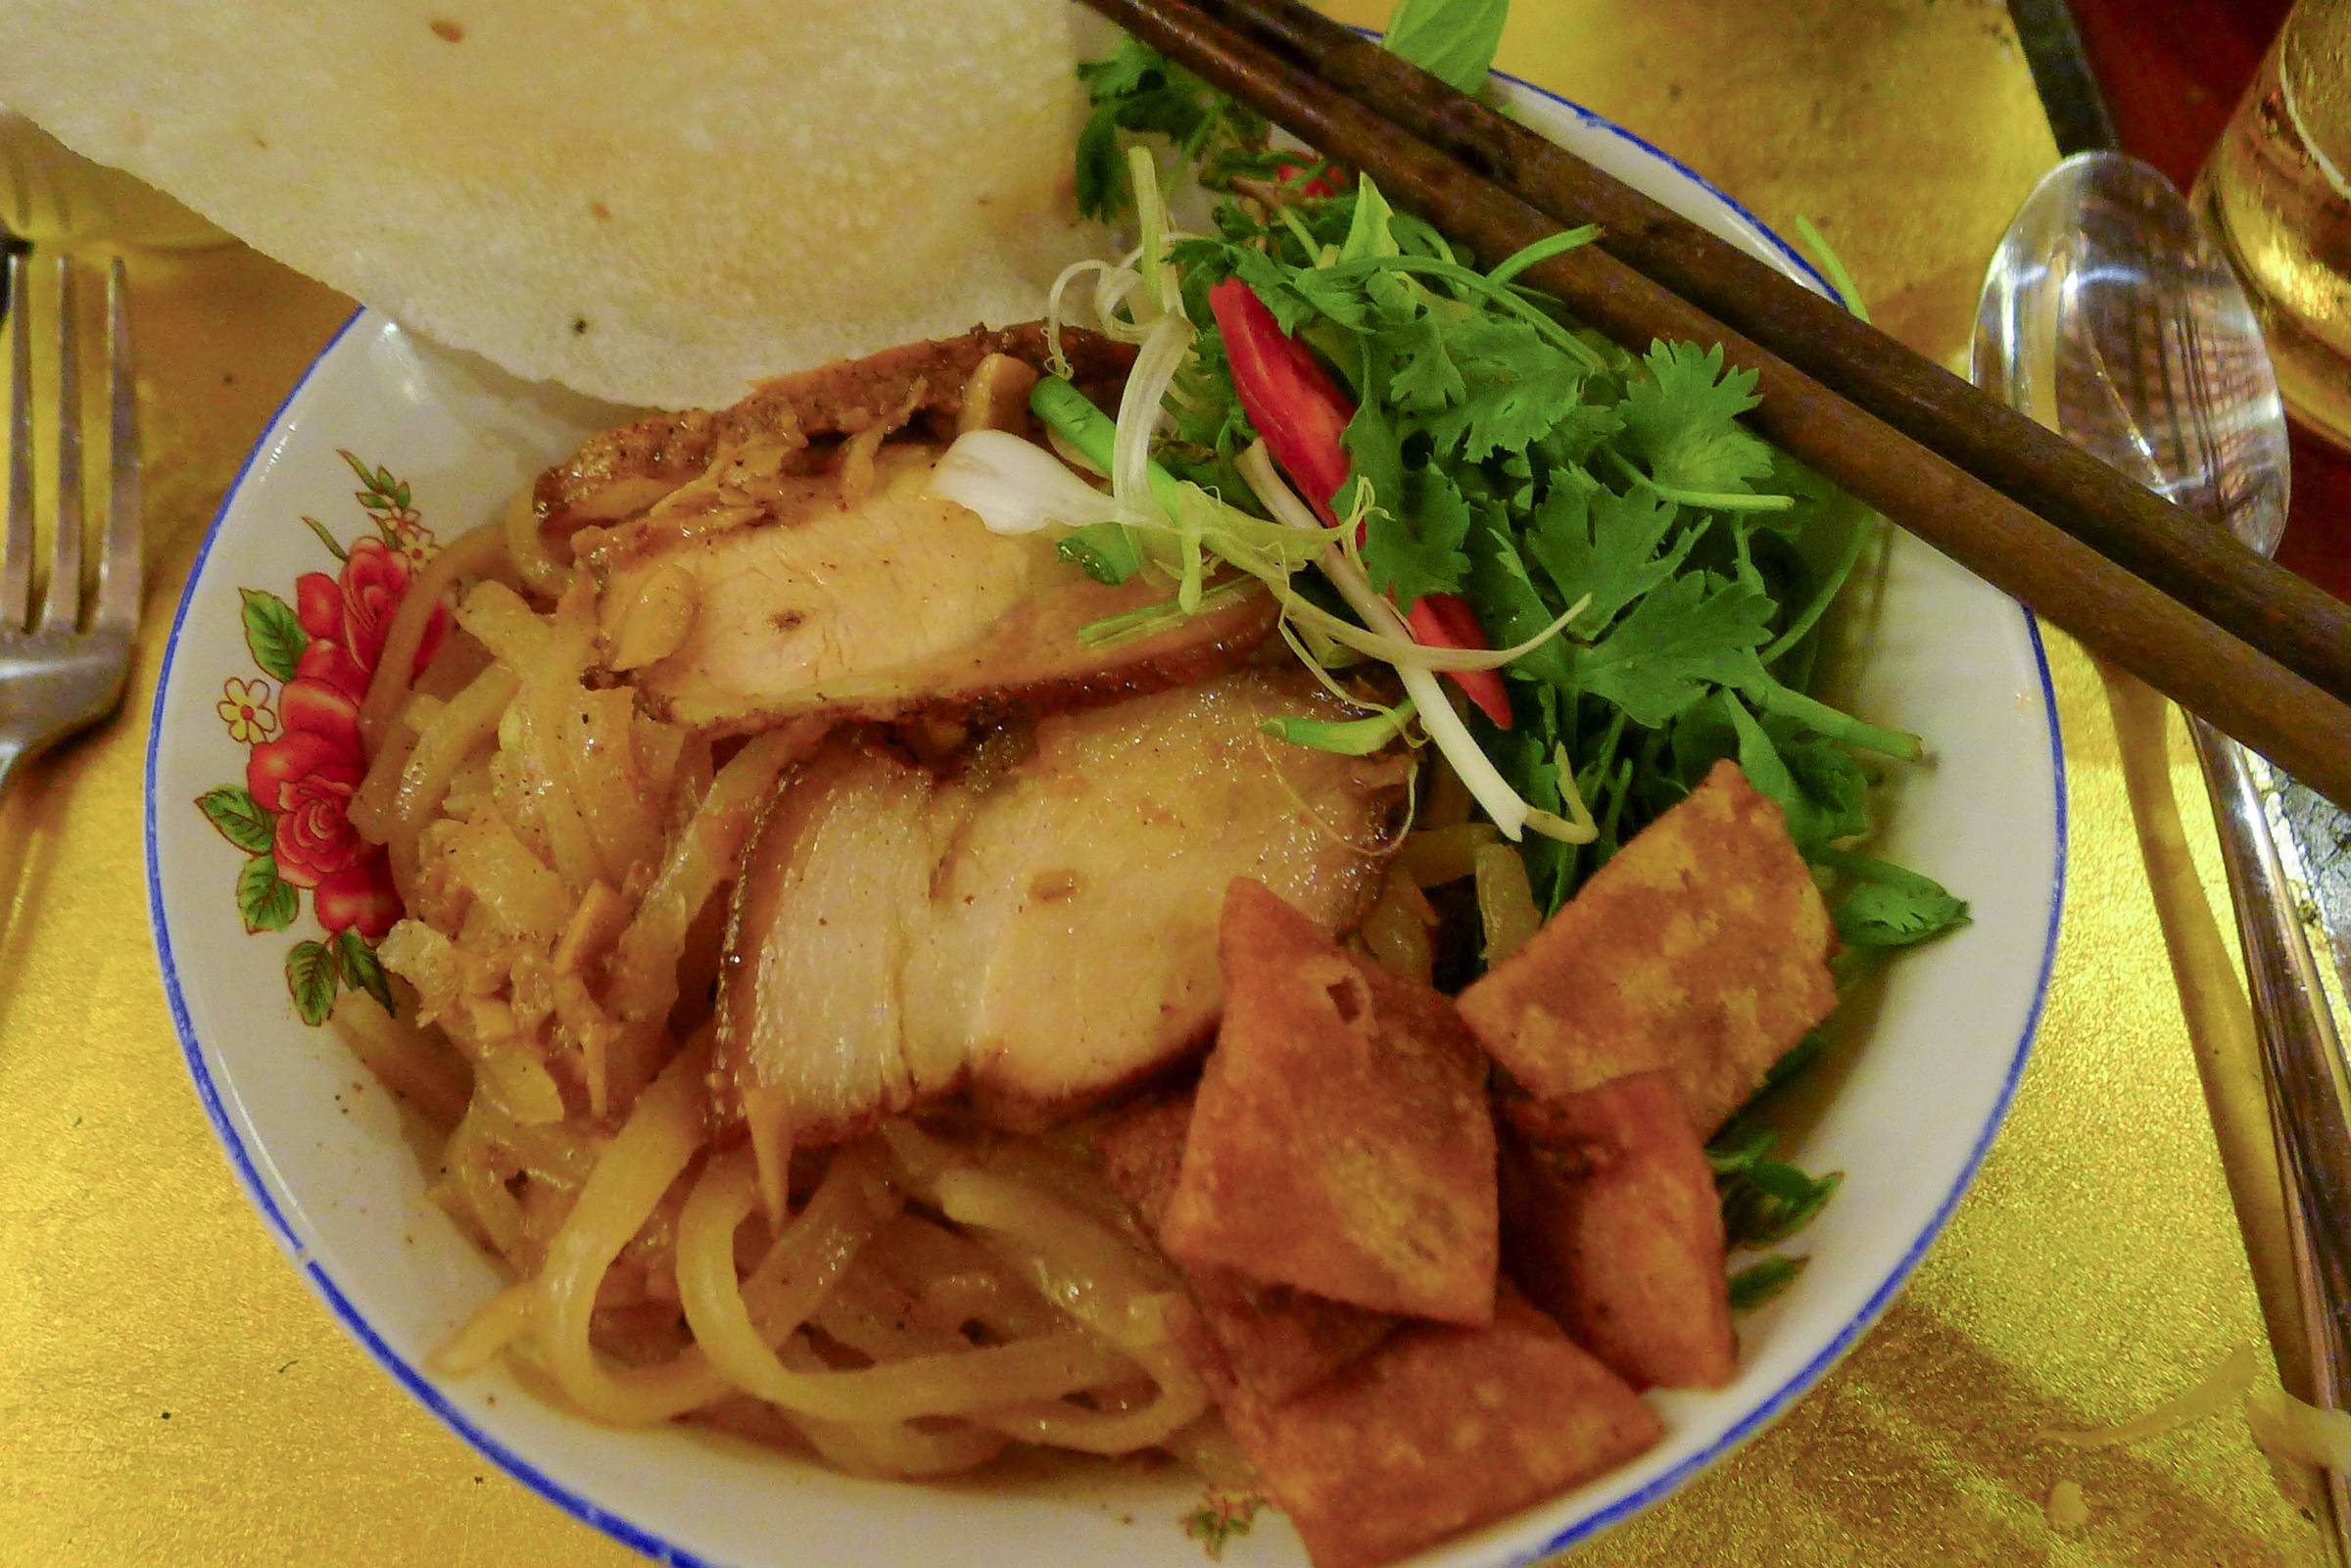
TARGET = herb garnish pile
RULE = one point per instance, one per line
(1501, 452)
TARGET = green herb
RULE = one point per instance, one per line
(1422, 556)
(1831, 267)
(1137, 90)
(1451, 40)
(1759, 1282)
(1148, 620)
(1683, 420)
(1767, 1202)
(1796, 1061)
(1888, 906)
(1736, 1149)
(1221, 1518)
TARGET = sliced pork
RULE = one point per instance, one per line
(621, 472)
(753, 595)
(1039, 932)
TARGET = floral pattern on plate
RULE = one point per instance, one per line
(291, 813)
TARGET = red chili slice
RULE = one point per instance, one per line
(1301, 412)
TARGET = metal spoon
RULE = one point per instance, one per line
(2109, 314)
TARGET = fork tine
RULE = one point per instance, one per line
(15, 545)
(119, 567)
(61, 607)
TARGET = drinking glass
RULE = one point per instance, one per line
(2277, 187)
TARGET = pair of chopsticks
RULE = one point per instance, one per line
(2213, 625)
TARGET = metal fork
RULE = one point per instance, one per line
(64, 663)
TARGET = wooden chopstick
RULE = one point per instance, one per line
(2258, 652)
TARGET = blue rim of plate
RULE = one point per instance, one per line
(634, 1536)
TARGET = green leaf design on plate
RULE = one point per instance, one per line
(312, 981)
(274, 633)
(242, 820)
(334, 547)
(381, 490)
(267, 901)
(363, 970)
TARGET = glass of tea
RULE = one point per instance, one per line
(2277, 187)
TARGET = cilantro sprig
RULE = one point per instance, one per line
(1136, 89)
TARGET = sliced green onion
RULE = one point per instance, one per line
(1104, 552)
(1151, 220)
(1146, 620)
(1543, 250)
(1757, 1283)
(1848, 293)
(1348, 737)
(1155, 363)
(1071, 415)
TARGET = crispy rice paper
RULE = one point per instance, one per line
(650, 203)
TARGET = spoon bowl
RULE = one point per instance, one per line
(2110, 314)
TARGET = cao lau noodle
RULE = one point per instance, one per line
(1195, 875)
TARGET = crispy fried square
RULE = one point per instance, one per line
(1275, 1342)
(1701, 945)
(1438, 1431)
(1142, 1152)
(1341, 1142)
(1609, 1222)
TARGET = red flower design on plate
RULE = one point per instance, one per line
(358, 898)
(306, 779)
(324, 661)
(355, 609)
(292, 818)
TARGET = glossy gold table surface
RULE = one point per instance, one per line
(172, 1394)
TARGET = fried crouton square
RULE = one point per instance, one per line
(1275, 1342)
(1609, 1222)
(1703, 945)
(1439, 1431)
(1341, 1142)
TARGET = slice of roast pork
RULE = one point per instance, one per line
(752, 597)
(1038, 932)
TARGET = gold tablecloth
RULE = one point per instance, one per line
(170, 1392)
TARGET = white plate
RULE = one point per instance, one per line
(1905, 1110)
